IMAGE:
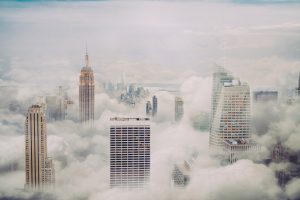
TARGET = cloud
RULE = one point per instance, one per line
(161, 42)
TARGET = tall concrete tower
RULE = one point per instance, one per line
(232, 119)
(39, 169)
(129, 152)
(154, 106)
(86, 93)
(148, 108)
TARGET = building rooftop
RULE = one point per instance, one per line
(129, 119)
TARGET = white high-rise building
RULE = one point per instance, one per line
(178, 108)
(232, 114)
(129, 152)
(39, 169)
(220, 76)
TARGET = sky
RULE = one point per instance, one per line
(43, 43)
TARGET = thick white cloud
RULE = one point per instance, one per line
(162, 42)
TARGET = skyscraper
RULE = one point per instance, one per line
(220, 76)
(178, 108)
(148, 108)
(232, 115)
(129, 152)
(265, 96)
(298, 89)
(86, 93)
(154, 105)
(39, 169)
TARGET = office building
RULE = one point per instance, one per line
(129, 152)
(154, 106)
(236, 149)
(148, 108)
(265, 96)
(181, 174)
(178, 108)
(298, 88)
(39, 169)
(220, 76)
(86, 93)
(232, 116)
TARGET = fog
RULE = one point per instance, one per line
(42, 45)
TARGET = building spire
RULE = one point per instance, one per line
(86, 57)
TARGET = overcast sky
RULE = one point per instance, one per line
(151, 41)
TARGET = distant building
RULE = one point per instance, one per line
(182, 170)
(129, 152)
(232, 116)
(148, 108)
(298, 88)
(133, 95)
(154, 104)
(281, 154)
(57, 106)
(86, 93)
(265, 96)
(236, 149)
(39, 169)
(181, 174)
(178, 108)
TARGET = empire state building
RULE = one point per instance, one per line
(86, 93)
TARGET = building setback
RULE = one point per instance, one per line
(236, 149)
(39, 169)
(129, 152)
(86, 93)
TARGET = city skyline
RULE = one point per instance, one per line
(163, 84)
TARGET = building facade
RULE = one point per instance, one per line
(148, 108)
(179, 110)
(39, 169)
(220, 76)
(129, 152)
(232, 119)
(86, 93)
